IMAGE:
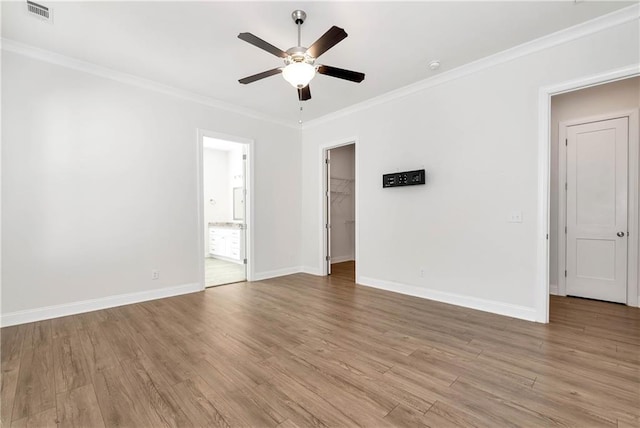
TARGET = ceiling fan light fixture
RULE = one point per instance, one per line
(299, 74)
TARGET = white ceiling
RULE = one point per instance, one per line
(193, 46)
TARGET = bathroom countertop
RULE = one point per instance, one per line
(228, 225)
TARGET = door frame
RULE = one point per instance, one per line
(632, 203)
(323, 200)
(541, 287)
(249, 200)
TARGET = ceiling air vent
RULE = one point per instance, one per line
(39, 11)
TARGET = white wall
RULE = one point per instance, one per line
(215, 187)
(613, 97)
(343, 203)
(99, 187)
(476, 136)
(235, 176)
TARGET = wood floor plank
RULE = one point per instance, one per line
(11, 340)
(309, 351)
(442, 415)
(45, 419)
(287, 424)
(35, 391)
(79, 408)
(191, 396)
(532, 408)
(70, 365)
(286, 406)
(97, 351)
(8, 385)
(341, 394)
(402, 416)
(161, 409)
(64, 327)
(119, 404)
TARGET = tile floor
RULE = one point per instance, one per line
(219, 272)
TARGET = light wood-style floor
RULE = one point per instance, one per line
(311, 351)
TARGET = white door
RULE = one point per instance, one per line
(597, 163)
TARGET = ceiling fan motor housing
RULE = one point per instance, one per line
(298, 54)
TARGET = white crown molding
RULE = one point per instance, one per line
(500, 308)
(130, 79)
(603, 22)
(56, 311)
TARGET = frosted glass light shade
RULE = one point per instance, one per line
(299, 74)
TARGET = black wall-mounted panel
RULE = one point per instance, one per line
(406, 178)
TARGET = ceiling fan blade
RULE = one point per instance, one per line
(304, 94)
(250, 79)
(259, 43)
(332, 37)
(341, 73)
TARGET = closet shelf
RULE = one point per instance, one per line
(341, 187)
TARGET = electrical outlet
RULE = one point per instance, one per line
(421, 272)
(155, 274)
(515, 217)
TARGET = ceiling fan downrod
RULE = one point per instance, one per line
(298, 17)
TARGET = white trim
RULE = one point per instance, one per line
(595, 25)
(544, 150)
(492, 306)
(562, 210)
(9, 45)
(311, 270)
(249, 210)
(553, 289)
(260, 276)
(56, 311)
(322, 191)
(603, 22)
(633, 281)
(632, 219)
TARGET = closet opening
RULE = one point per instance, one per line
(340, 211)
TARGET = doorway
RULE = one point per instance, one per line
(594, 201)
(340, 210)
(223, 217)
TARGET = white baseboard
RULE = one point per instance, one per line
(553, 289)
(340, 259)
(311, 270)
(65, 309)
(259, 276)
(492, 306)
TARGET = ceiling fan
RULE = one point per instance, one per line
(300, 66)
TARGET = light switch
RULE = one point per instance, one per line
(515, 217)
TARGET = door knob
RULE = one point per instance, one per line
(620, 234)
